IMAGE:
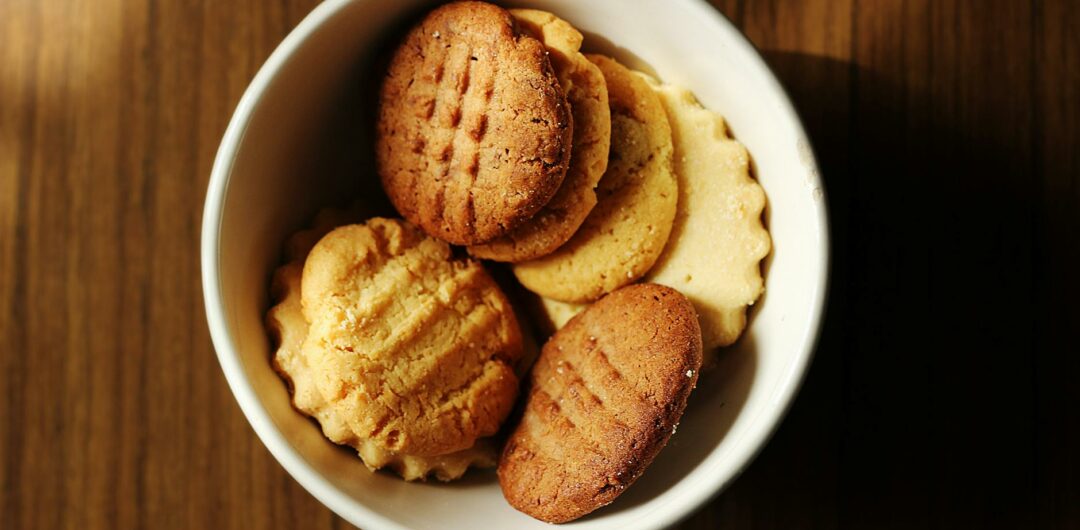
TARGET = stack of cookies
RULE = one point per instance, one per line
(496, 134)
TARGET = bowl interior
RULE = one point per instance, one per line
(299, 141)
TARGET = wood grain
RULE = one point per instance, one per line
(943, 393)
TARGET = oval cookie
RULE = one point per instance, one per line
(605, 396)
(474, 132)
(587, 94)
(409, 349)
(636, 199)
(718, 241)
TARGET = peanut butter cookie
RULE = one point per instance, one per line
(474, 132)
(587, 94)
(411, 371)
(606, 394)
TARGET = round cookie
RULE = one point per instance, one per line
(587, 94)
(474, 132)
(409, 349)
(289, 328)
(718, 240)
(625, 233)
(605, 397)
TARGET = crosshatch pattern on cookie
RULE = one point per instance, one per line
(474, 131)
(605, 397)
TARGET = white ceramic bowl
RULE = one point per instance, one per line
(295, 144)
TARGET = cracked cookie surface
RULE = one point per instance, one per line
(401, 351)
(474, 131)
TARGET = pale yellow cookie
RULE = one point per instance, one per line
(625, 233)
(414, 349)
(463, 385)
(718, 241)
(587, 94)
(555, 314)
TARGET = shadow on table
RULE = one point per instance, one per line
(919, 404)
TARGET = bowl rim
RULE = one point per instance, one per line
(758, 432)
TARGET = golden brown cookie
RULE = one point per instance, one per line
(587, 94)
(288, 327)
(624, 234)
(414, 349)
(409, 370)
(605, 397)
(474, 132)
(718, 241)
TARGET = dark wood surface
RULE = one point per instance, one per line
(944, 393)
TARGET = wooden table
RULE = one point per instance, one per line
(944, 392)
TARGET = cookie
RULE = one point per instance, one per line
(587, 94)
(407, 355)
(474, 132)
(605, 397)
(718, 241)
(289, 329)
(552, 315)
(625, 233)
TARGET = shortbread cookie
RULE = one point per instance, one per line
(474, 132)
(587, 94)
(605, 397)
(409, 371)
(624, 234)
(718, 241)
